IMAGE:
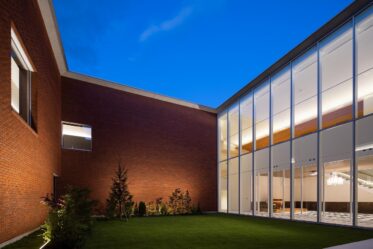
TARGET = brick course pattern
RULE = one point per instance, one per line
(28, 159)
(163, 145)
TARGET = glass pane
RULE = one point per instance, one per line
(281, 91)
(305, 117)
(305, 77)
(365, 190)
(262, 134)
(15, 85)
(364, 62)
(223, 188)
(246, 184)
(261, 98)
(76, 137)
(246, 109)
(223, 137)
(261, 173)
(233, 132)
(281, 127)
(336, 58)
(364, 164)
(336, 77)
(261, 102)
(305, 178)
(233, 185)
(337, 104)
(281, 180)
(336, 184)
(305, 93)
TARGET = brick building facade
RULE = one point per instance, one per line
(165, 143)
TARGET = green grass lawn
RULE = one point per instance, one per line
(216, 231)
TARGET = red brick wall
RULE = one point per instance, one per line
(163, 145)
(27, 159)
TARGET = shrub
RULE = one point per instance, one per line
(69, 219)
(180, 202)
(141, 209)
(120, 202)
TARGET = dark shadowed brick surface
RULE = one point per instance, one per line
(163, 145)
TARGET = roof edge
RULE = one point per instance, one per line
(136, 91)
(338, 20)
(50, 22)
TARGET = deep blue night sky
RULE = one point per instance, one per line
(201, 51)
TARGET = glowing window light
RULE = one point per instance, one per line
(335, 180)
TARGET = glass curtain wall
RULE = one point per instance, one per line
(259, 165)
(364, 126)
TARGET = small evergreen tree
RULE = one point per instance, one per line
(142, 209)
(120, 202)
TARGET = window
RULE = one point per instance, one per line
(233, 185)
(364, 62)
(233, 131)
(76, 136)
(261, 173)
(281, 106)
(305, 177)
(305, 93)
(261, 102)
(223, 187)
(21, 88)
(223, 143)
(246, 110)
(281, 180)
(335, 174)
(364, 165)
(336, 77)
(246, 184)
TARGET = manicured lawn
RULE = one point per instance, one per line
(33, 241)
(217, 231)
